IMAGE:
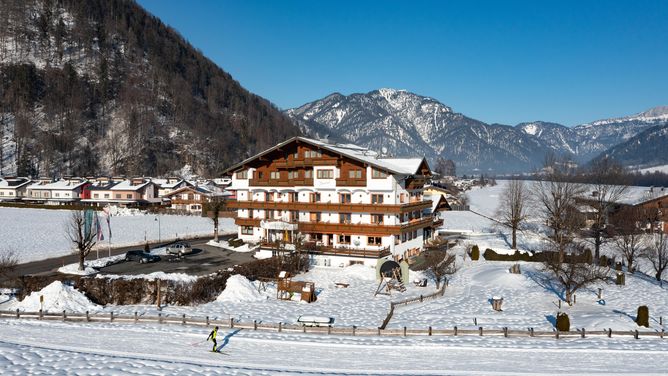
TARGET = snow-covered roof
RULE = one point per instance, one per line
(633, 195)
(60, 184)
(165, 184)
(401, 166)
(126, 185)
(14, 183)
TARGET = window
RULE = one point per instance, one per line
(312, 154)
(375, 240)
(325, 174)
(294, 216)
(355, 174)
(106, 195)
(129, 196)
(292, 197)
(308, 174)
(247, 230)
(376, 198)
(344, 198)
(344, 217)
(270, 196)
(259, 174)
(296, 155)
(242, 174)
(377, 219)
(293, 175)
(315, 217)
(314, 197)
(56, 194)
(275, 175)
(378, 174)
(96, 195)
(344, 239)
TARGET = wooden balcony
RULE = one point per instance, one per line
(303, 182)
(349, 228)
(342, 182)
(305, 162)
(330, 207)
(348, 251)
(177, 201)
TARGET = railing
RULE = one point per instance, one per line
(351, 330)
(330, 207)
(352, 228)
(280, 183)
(343, 182)
(349, 251)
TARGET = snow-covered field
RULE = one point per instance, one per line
(36, 234)
(54, 348)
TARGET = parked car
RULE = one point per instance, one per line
(180, 249)
(141, 256)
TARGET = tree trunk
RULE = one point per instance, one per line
(597, 245)
(514, 246)
(438, 283)
(215, 229)
(568, 297)
(81, 261)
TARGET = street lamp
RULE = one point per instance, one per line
(157, 218)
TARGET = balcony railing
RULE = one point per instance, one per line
(353, 228)
(330, 207)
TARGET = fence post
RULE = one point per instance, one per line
(183, 321)
(455, 331)
(64, 315)
(609, 332)
(303, 328)
(480, 329)
(505, 331)
(378, 331)
(41, 314)
(136, 318)
(354, 327)
(574, 299)
(582, 333)
(429, 330)
(111, 316)
(556, 334)
(660, 320)
(18, 315)
(475, 321)
(661, 333)
(329, 329)
(635, 335)
(160, 317)
(421, 298)
(254, 324)
(530, 332)
(231, 322)
(280, 327)
(207, 321)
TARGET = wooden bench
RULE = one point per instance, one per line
(306, 320)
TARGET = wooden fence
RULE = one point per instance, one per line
(331, 330)
(417, 299)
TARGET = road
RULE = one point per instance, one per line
(50, 266)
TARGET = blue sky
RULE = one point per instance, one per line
(497, 61)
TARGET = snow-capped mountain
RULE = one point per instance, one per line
(409, 124)
(646, 149)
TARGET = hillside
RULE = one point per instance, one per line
(103, 87)
(647, 148)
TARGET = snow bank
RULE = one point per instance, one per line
(239, 289)
(225, 245)
(74, 269)
(90, 266)
(57, 298)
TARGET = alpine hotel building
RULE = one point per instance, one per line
(349, 204)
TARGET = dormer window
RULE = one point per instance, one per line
(242, 174)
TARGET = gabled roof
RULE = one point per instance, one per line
(14, 183)
(126, 185)
(399, 166)
(60, 184)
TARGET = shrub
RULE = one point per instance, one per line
(475, 253)
(588, 257)
(603, 261)
(563, 322)
(643, 316)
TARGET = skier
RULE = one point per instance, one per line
(212, 336)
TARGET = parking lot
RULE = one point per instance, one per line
(205, 259)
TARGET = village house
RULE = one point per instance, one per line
(60, 192)
(135, 192)
(190, 198)
(13, 188)
(350, 204)
(170, 184)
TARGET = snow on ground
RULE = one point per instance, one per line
(239, 289)
(177, 277)
(37, 234)
(90, 266)
(57, 297)
(649, 170)
(49, 347)
(226, 245)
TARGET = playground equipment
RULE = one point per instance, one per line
(286, 288)
(391, 276)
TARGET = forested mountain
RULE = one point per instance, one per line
(648, 148)
(411, 124)
(103, 87)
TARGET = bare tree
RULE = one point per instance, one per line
(573, 272)
(629, 237)
(439, 261)
(609, 187)
(216, 205)
(512, 208)
(657, 254)
(556, 197)
(81, 231)
(8, 262)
